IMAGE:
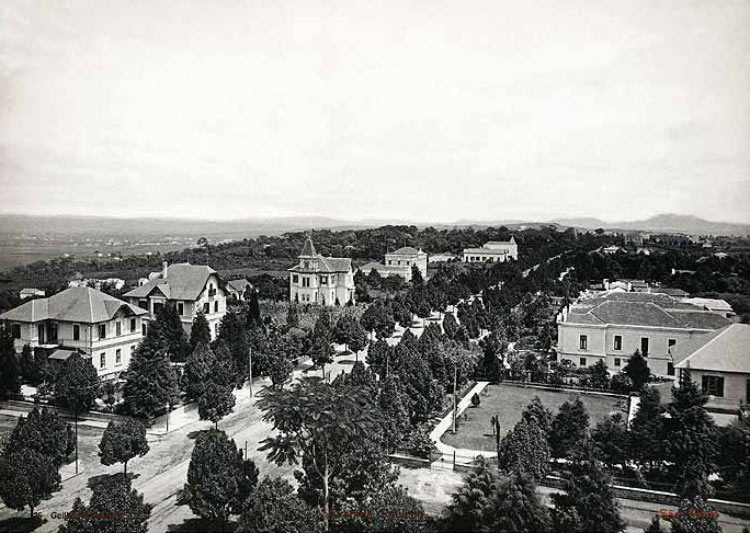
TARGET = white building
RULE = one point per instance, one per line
(321, 280)
(400, 263)
(492, 252)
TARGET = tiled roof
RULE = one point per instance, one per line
(406, 250)
(725, 350)
(183, 282)
(64, 355)
(373, 265)
(74, 304)
(308, 250)
(239, 284)
(640, 314)
(485, 251)
(327, 264)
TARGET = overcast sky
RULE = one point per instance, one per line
(425, 110)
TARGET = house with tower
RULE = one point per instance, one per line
(321, 280)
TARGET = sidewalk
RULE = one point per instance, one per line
(447, 421)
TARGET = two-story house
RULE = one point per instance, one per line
(611, 326)
(321, 280)
(400, 263)
(190, 288)
(492, 252)
(82, 319)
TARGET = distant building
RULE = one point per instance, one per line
(611, 326)
(714, 305)
(321, 280)
(30, 293)
(400, 263)
(719, 362)
(80, 319)
(441, 258)
(611, 250)
(238, 287)
(190, 288)
(492, 252)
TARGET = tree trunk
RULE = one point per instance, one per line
(31, 507)
(323, 367)
(326, 509)
(126, 469)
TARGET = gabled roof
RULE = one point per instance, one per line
(501, 243)
(239, 284)
(183, 282)
(308, 250)
(725, 350)
(327, 265)
(74, 304)
(64, 355)
(406, 250)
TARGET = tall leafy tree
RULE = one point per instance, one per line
(424, 392)
(123, 441)
(611, 440)
(253, 308)
(232, 332)
(524, 450)
(471, 508)
(637, 370)
(321, 352)
(515, 506)
(379, 357)
(200, 332)
(734, 454)
(77, 384)
(173, 337)
(537, 411)
(43, 432)
(569, 429)
(150, 382)
(319, 422)
(274, 507)
(10, 372)
(395, 413)
(588, 503)
(27, 477)
(218, 480)
(390, 509)
(343, 330)
(111, 496)
(450, 326)
(599, 375)
(197, 369)
(646, 435)
(216, 402)
(30, 368)
(292, 316)
(692, 439)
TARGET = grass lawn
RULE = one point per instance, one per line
(508, 401)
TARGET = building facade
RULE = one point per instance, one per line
(612, 326)
(492, 252)
(190, 288)
(321, 280)
(400, 263)
(84, 320)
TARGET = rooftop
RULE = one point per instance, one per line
(183, 282)
(74, 304)
(724, 350)
(407, 251)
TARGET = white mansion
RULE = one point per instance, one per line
(321, 280)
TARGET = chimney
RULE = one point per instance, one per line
(164, 266)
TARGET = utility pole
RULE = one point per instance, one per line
(455, 380)
(250, 368)
(76, 419)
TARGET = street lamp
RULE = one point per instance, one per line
(455, 386)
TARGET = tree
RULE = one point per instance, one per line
(30, 368)
(323, 327)
(28, 477)
(150, 382)
(692, 439)
(216, 402)
(292, 316)
(274, 507)
(322, 353)
(450, 326)
(647, 438)
(43, 432)
(200, 332)
(695, 516)
(424, 392)
(394, 412)
(253, 308)
(569, 429)
(280, 367)
(599, 376)
(218, 479)
(111, 496)
(172, 334)
(588, 503)
(524, 450)
(734, 456)
(637, 370)
(416, 276)
(123, 441)
(77, 384)
(471, 508)
(611, 440)
(537, 411)
(380, 357)
(343, 330)
(10, 373)
(232, 332)
(316, 421)
(197, 369)
(621, 383)
(390, 509)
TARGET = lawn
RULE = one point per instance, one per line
(508, 401)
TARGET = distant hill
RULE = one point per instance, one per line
(667, 223)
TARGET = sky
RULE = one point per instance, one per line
(426, 110)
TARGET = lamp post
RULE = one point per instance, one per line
(455, 386)
(250, 368)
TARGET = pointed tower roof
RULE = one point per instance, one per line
(309, 249)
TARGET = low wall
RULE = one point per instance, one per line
(409, 461)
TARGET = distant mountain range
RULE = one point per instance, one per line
(76, 226)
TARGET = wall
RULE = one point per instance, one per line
(734, 386)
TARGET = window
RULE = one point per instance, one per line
(103, 360)
(132, 325)
(143, 304)
(76, 332)
(118, 357)
(118, 329)
(671, 342)
(618, 342)
(143, 329)
(295, 278)
(206, 308)
(583, 342)
(102, 331)
(670, 368)
(713, 385)
(582, 361)
(180, 308)
(618, 362)
(216, 306)
(324, 280)
(644, 346)
(390, 262)
(306, 282)
(307, 264)
(16, 329)
(158, 306)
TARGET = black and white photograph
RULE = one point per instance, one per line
(339, 266)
